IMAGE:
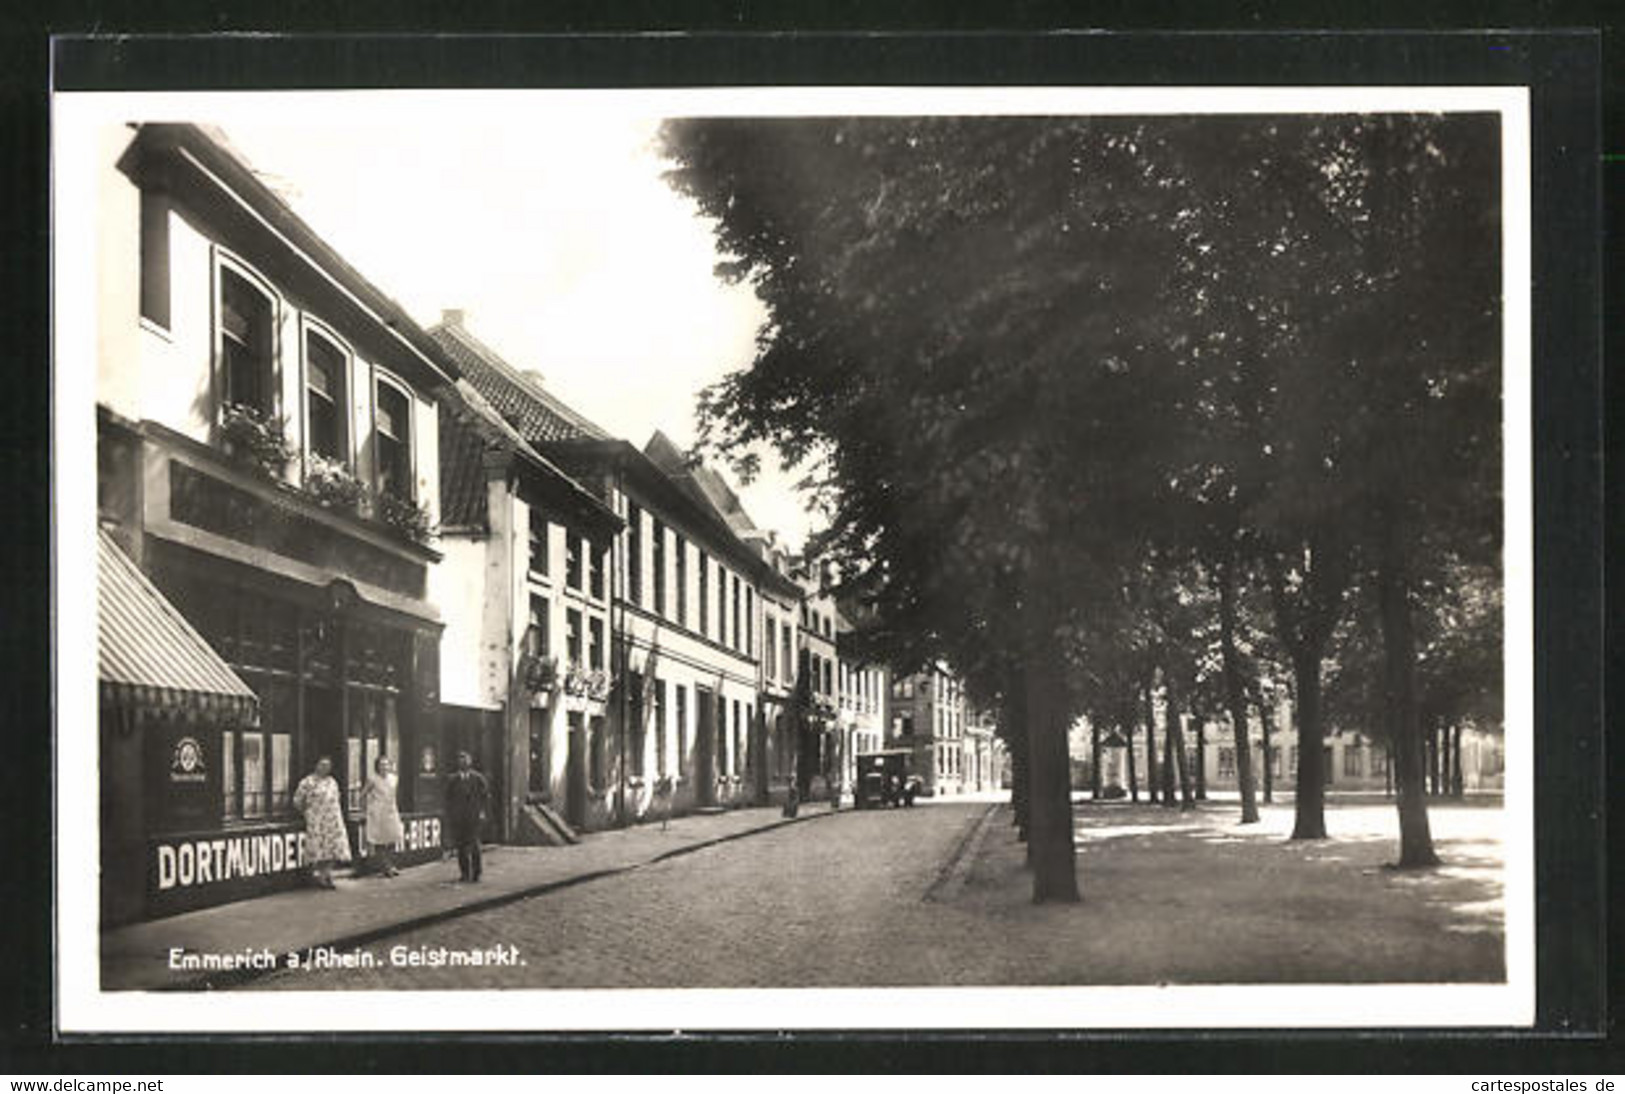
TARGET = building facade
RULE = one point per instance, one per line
(268, 459)
(928, 713)
(679, 728)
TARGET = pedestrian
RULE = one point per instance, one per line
(326, 842)
(466, 796)
(383, 816)
(792, 801)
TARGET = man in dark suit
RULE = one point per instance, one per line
(466, 797)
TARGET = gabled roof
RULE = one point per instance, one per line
(700, 481)
(532, 410)
(472, 428)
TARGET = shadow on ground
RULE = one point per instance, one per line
(1195, 897)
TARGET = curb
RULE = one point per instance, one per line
(959, 861)
(231, 978)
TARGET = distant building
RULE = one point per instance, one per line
(928, 715)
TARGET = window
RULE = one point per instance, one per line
(597, 556)
(1379, 761)
(595, 643)
(659, 566)
(394, 422)
(597, 751)
(770, 648)
(660, 727)
(1292, 761)
(722, 734)
(788, 662)
(1227, 762)
(812, 672)
(738, 764)
(538, 542)
(572, 636)
(682, 580)
(634, 554)
(536, 636)
(638, 738)
(247, 344)
(736, 631)
(155, 258)
(326, 409)
(572, 559)
(750, 621)
(541, 752)
(682, 731)
(829, 680)
(705, 593)
(1351, 761)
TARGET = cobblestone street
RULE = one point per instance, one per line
(937, 896)
(830, 903)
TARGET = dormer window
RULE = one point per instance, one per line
(247, 344)
(394, 426)
(326, 408)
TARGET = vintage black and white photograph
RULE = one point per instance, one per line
(753, 558)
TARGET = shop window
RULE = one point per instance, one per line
(228, 775)
(572, 559)
(682, 731)
(539, 526)
(255, 800)
(394, 444)
(247, 341)
(326, 408)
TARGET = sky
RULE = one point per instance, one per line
(555, 233)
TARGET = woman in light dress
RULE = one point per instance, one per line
(383, 816)
(326, 842)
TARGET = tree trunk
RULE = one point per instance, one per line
(1457, 787)
(1187, 799)
(1150, 741)
(1015, 740)
(1094, 761)
(1201, 760)
(1266, 718)
(1133, 776)
(1171, 732)
(1388, 771)
(1049, 845)
(1404, 722)
(1235, 694)
(1309, 820)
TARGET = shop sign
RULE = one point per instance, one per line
(419, 832)
(210, 860)
(186, 762)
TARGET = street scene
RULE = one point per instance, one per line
(851, 551)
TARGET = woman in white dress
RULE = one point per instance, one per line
(383, 816)
(326, 842)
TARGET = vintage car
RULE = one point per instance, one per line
(886, 778)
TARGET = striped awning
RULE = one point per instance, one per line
(149, 656)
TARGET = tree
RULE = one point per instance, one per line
(959, 335)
